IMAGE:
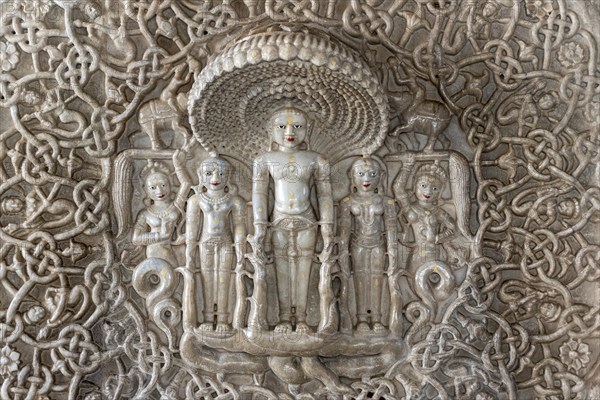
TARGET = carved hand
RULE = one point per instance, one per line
(239, 252)
(257, 241)
(394, 266)
(260, 231)
(165, 232)
(410, 161)
(327, 233)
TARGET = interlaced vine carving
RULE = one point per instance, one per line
(79, 81)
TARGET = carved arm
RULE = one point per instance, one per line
(179, 158)
(141, 237)
(260, 188)
(325, 197)
(239, 227)
(193, 221)
(345, 228)
(391, 231)
(399, 187)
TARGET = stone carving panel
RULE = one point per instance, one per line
(288, 199)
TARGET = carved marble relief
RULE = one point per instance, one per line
(279, 199)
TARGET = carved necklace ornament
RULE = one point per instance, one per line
(287, 199)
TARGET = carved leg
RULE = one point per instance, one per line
(225, 268)
(296, 371)
(433, 138)
(208, 267)
(151, 131)
(282, 272)
(377, 261)
(361, 286)
(177, 127)
(408, 129)
(306, 242)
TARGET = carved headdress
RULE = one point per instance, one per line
(434, 170)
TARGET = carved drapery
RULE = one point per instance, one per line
(91, 91)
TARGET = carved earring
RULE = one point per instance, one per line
(376, 190)
(226, 189)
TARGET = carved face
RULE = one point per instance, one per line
(489, 9)
(214, 174)
(12, 205)
(32, 98)
(547, 101)
(289, 128)
(92, 11)
(366, 175)
(158, 186)
(36, 313)
(427, 189)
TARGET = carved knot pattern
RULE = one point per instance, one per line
(79, 80)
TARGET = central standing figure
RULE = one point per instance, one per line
(294, 222)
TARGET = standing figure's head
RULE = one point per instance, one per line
(214, 174)
(429, 182)
(366, 175)
(288, 127)
(157, 182)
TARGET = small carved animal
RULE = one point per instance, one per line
(425, 117)
(429, 118)
(166, 113)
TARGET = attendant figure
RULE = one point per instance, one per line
(368, 229)
(431, 225)
(211, 214)
(155, 224)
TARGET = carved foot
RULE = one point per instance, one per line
(223, 327)
(378, 327)
(206, 326)
(302, 327)
(283, 327)
(362, 327)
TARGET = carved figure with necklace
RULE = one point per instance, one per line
(367, 233)
(211, 214)
(432, 226)
(293, 222)
(155, 224)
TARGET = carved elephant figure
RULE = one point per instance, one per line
(167, 112)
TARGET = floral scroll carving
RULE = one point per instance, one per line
(429, 231)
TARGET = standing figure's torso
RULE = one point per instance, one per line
(367, 214)
(292, 173)
(216, 223)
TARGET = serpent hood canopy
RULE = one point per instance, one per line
(235, 95)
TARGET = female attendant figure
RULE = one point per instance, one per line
(432, 226)
(212, 212)
(155, 224)
(368, 228)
